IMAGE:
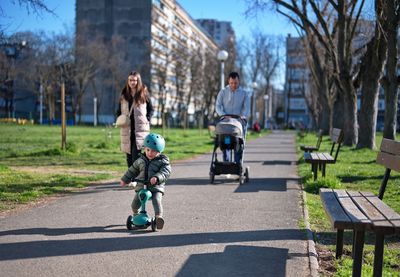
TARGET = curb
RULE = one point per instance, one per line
(312, 253)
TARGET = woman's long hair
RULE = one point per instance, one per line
(140, 95)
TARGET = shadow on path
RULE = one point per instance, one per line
(237, 261)
(52, 248)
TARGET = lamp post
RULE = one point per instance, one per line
(266, 110)
(222, 56)
(95, 111)
(254, 85)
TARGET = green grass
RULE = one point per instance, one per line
(354, 170)
(92, 154)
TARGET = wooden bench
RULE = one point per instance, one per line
(318, 160)
(311, 148)
(363, 211)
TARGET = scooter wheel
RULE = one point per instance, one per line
(153, 225)
(129, 223)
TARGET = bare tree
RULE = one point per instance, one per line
(181, 67)
(242, 59)
(212, 85)
(196, 87)
(270, 61)
(89, 53)
(337, 40)
(390, 81)
(115, 68)
(32, 7)
(371, 70)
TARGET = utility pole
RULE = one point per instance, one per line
(63, 123)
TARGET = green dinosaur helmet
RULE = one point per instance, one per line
(155, 142)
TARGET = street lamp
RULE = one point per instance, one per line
(254, 85)
(222, 56)
(12, 51)
(266, 110)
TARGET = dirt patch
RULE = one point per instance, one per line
(13, 208)
(60, 170)
(326, 260)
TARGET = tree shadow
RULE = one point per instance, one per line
(265, 184)
(276, 162)
(65, 247)
(64, 231)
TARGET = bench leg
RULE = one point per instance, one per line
(323, 169)
(314, 168)
(378, 259)
(354, 244)
(358, 252)
(339, 243)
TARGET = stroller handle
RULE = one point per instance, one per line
(242, 118)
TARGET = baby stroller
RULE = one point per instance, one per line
(229, 137)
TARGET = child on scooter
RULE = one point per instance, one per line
(154, 167)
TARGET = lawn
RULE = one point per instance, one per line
(32, 164)
(355, 169)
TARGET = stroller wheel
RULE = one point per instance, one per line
(212, 177)
(153, 225)
(246, 175)
(241, 180)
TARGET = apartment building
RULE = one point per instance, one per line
(157, 33)
(221, 31)
(297, 83)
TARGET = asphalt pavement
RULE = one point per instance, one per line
(210, 229)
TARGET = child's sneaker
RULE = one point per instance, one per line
(159, 222)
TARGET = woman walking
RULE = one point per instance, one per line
(134, 102)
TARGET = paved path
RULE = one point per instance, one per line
(210, 230)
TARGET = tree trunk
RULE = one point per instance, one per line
(391, 89)
(350, 127)
(371, 71)
(368, 115)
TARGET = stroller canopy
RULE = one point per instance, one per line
(229, 126)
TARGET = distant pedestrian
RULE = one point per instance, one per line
(134, 102)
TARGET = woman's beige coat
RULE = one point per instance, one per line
(142, 126)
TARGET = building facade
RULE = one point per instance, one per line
(297, 83)
(221, 31)
(159, 34)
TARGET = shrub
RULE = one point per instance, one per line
(312, 186)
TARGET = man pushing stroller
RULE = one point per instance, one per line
(233, 100)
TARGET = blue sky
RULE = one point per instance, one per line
(17, 19)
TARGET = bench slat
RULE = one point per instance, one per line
(308, 148)
(390, 146)
(379, 222)
(321, 156)
(385, 210)
(337, 215)
(328, 158)
(336, 135)
(360, 220)
(388, 160)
